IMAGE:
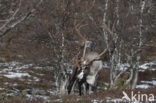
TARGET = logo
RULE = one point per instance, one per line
(138, 97)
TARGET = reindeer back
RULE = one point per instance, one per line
(94, 67)
(90, 56)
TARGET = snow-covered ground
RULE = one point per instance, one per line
(151, 65)
(13, 70)
(146, 84)
(143, 67)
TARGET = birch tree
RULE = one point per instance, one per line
(142, 5)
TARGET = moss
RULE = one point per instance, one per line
(24, 92)
(120, 83)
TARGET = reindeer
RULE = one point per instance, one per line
(86, 72)
(87, 69)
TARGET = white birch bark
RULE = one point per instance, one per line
(142, 5)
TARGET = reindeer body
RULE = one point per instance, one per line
(87, 74)
(93, 68)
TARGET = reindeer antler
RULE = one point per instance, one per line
(85, 44)
(105, 50)
(84, 40)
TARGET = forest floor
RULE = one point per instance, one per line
(28, 82)
(23, 83)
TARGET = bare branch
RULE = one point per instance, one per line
(105, 50)
(82, 37)
(2, 33)
(108, 30)
(8, 25)
(12, 17)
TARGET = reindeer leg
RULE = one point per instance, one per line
(71, 85)
(79, 86)
(87, 88)
(72, 81)
(94, 88)
(84, 88)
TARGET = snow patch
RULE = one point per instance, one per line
(2, 88)
(124, 66)
(148, 65)
(57, 100)
(143, 86)
(16, 75)
(96, 101)
(36, 79)
(153, 82)
(116, 100)
(10, 66)
(37, 96)
(52, 92)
